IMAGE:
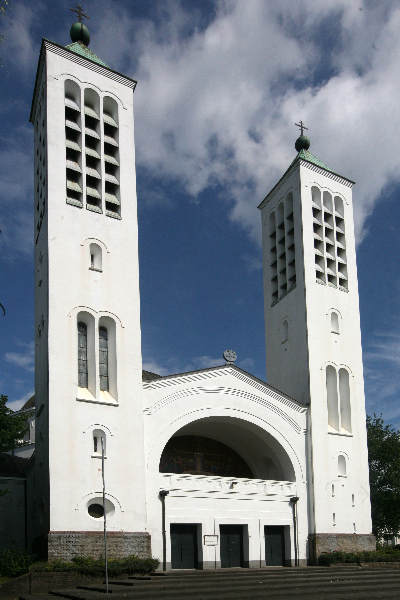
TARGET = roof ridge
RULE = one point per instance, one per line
(308, 156)
(80, 48)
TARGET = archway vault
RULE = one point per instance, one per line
(238, 447)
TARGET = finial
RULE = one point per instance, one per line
(302, 142)
(230, 356)
(79, 32)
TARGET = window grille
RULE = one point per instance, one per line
(82, 356)
(329, 239)
(111, 157)
(73, 143)
(282, 249)
(103, 359)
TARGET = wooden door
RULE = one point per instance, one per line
(231, 545)
(274, 545)
(183, 546)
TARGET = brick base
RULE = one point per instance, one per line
(339, 542)
(67, 544)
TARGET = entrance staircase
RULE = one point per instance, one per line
(333, 583)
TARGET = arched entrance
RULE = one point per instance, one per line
(227, 479)
(227, 447)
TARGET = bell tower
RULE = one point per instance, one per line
(313, 338)
(88, 364)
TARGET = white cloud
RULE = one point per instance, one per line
(19, 43)
(381, 366)
(218, 105)
(24, 359)
(16, 176)
(17, 404)
(174, 365)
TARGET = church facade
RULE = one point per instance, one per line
(207, 469)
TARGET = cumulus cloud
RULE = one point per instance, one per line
(218, 94)
(16, 178)
(381, 366)
(217, 105)
(23, 359)
(17, 404)
(174, 365)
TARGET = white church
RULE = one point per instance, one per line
(206, 469)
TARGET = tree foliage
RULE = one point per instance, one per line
(12, 426)
(384, 473)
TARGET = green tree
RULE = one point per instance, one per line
(12, 426)
(384, 474)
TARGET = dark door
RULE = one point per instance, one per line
(274, 545)
(231, 545)
(183, 546)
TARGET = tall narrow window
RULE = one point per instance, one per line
(82, 355)
(342, 469)
(335, 323)
(99, 435)
(285, 331)
(95, 257)
(332, 397)
(103, 359)
(345, 407)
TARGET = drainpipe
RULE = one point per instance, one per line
(293, 501)
(163, 494)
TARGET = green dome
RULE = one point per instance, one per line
(302, 143)
(80, 33)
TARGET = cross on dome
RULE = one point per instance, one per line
(302, 127)
(302, 142)
(80, 12)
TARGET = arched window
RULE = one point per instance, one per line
(316, 196)
(332, 397)
(335, 323)
(342, 469)
(95, 257)
(327, 201)
(86, 361)
(344, 393)
(338, 398)
(108, 356)
(98, 436)
(103, 359)
(111, 157)
(82, 355)
(285, 331)
(93, 171)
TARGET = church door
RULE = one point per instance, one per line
(231, 545)
(183, 546)
(274, 545)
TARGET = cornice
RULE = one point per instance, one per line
(47, 45)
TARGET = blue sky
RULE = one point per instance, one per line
(220, 85)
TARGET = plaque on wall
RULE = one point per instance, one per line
(210, 540)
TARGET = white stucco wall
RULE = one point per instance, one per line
(113, 293)
(229, 406)
(298, 365)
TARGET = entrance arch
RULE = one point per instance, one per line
(226, 446)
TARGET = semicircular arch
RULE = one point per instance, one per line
(256, 440)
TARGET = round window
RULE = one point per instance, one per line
(96, 511)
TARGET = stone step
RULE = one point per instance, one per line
(267, 580)
(246, 588)
(35, 597)
(287, 571)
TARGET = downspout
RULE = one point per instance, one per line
(293, 501)
(163, 494)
